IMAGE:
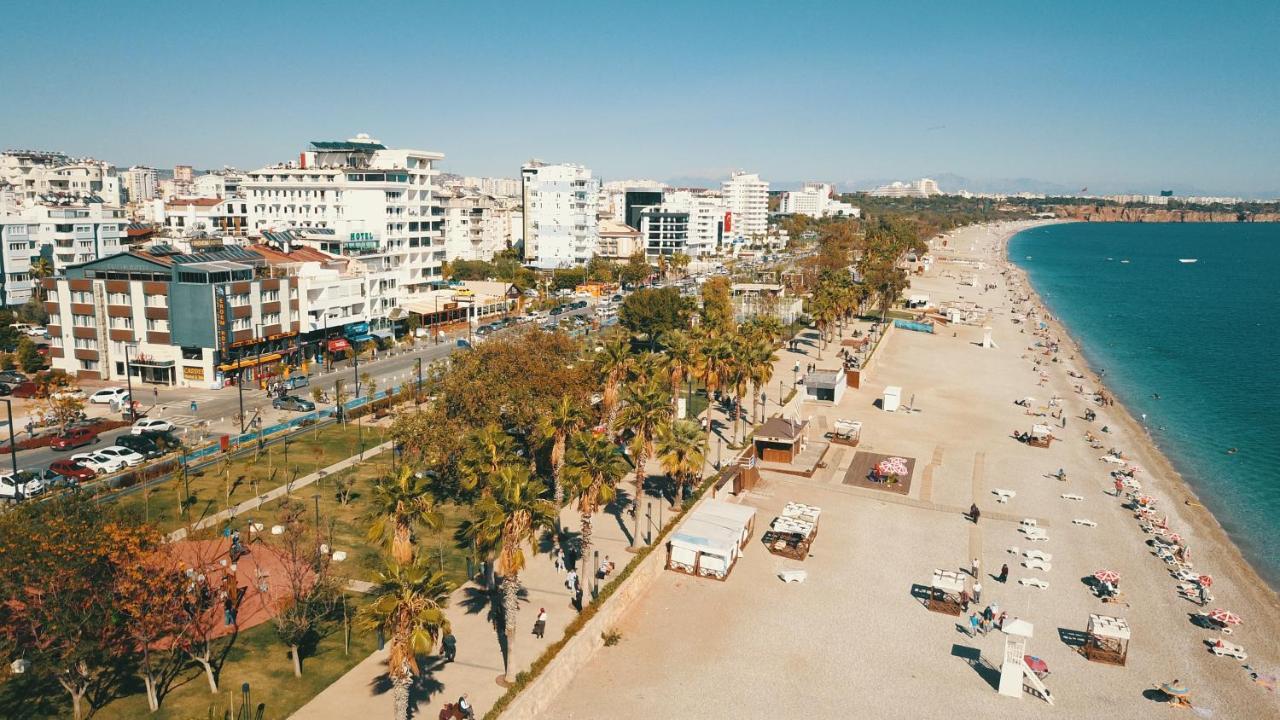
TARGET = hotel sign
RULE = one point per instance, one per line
(222, 325)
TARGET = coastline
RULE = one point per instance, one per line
(1162, 472)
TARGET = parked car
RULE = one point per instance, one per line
(295, 382)
(100, 464)
(120, 452)
(557, 310)
(21, 327)
(37, 331)
(72, 469)
(5, 390)
(25, 485)
(66, 393)
(109, 395)
(293, 402)
(12, 377)
(26, 389)
(146, 445)
(150, 425)
(74, 438)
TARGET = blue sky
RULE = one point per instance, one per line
(1115, 96)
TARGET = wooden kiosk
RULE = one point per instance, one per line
(945, 591)
(1107, 640)
(1041, 436)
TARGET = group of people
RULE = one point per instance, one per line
(991, 617)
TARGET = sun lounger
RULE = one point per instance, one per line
(1034, 582)
(1086, 522)
(1223, 648)
(1013, 550)
(1186, 575)
(1039, 555)
(1027, 523)
(1072, 496)
(793, 576)
(1037, 564)
(1038, 537)
(1002, 495)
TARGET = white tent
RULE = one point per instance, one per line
(739, 518)
(892, 398)
(702, 547)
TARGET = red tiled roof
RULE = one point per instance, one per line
(198, 202)
(300, 254)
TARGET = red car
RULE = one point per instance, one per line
(71, 469)
(74, 438)
(26, 389)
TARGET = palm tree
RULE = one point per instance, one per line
(484, 451)
(593, 470)
(408, 607)
(713, 354)
(564, 419)
(737, 375)
(401, 504)
(647, 409)
(682, 452)
(41, 269)
(613, 361)
(504, 523)
(760, 369)
(678, 360)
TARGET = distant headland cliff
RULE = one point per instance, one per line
(1121, 213)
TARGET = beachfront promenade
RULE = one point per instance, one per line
(855, 638)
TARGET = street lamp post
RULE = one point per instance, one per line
(417, 393)
(128, 378)
(355, 367)
(13, 445)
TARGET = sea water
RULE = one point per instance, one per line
(1193, 347)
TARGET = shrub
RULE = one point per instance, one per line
(611, 637)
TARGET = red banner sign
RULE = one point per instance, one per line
(339, 344)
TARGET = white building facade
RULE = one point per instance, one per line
(64, 230)
(477, 225)
(560, 225)
(746, 199)
(815, 200)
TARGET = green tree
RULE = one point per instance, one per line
(613, 363)
(592, 471)
(29, 358)
(679, 360)
(682, 451)
(652, 312)
(717, 307)
(505, 523)
(310, 592)
(401, 505)
(646, 408)
(408, 606)
(760, 361)
(636, 271)
(564, 419)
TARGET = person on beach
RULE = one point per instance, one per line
(974, 567)
(974, 513)
(977, 592)
(571, 581)
(540, 624)
(1004, 573)
(449, 647)
(973, 625)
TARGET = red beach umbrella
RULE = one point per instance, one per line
(1175, 538)
(1205, 580)
(1107, 576)
(1225, 617)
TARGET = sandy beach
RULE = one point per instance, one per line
(854, 639)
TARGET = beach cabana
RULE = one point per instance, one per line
(825, 385)
(792, 533)
(1041, 436)
(781, 439)
(892, 398)
(944, 592)
(703, 549)
(739, 518)
(847, 432)
(1107, 640)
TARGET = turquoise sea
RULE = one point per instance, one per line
(1202, 336)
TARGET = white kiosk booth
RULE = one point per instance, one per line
(892, 398)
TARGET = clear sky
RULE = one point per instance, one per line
(1114, 96)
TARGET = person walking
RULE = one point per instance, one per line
(973, 513)
(571, 581)
(977, 593)
(540, 624)
(974, 567)
(1004, 573)
(449, 647)
(193, 407)
(973, 625)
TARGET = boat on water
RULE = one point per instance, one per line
(1187, 261)
(1124, 262)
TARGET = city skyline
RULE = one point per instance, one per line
(1130, 103)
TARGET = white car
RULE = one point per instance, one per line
(109, 395)
(120, 452)
(25, 486)
(76, 393)
(100, 464)
(152, 425)
(37, 331)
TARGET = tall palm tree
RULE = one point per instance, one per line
(484, 451)
(504, 523)
(713, 355)
(679, 360)
(613, 362)
(646, 409)
(592, 472)
(41, 269)
(408, 607)
(564, 419)
(401, 504)
(738, 374)
(682, 452)
(761, 359)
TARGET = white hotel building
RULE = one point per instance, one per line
(375, 205)
(815, 200)
(746, 199)
(63, 229)
(560, 226)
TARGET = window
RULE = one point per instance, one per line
(158, 324)
(118, 298)
(270, 295)
(86, 344)
(82, 297)
(122, 323)
(55, 319)
(88, 364)
(271, 318)
(241, 324)
(82, 320)
(156, 301)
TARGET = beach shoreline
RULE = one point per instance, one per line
(1189, 507)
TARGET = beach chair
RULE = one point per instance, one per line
(1039, 555)
(792, 576)
(1039, 537)
(1222, 648)
(1013, 550)
(1186, 576)
(1027, 524)
(1072, 496)
(1034, 582)
(1037, 564)
(1085, 522)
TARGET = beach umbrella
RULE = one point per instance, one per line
(1036, 664)
(1205, 580)
(1175, 688)
(1107, 576)
(1144, 500)
(892, 466)
(1175, 538)
(1225, 617)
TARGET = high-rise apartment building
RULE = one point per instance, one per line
(477, 225)
(815, 200)
(62, 230)
(922, 188)
(560, 204)
(707, 212)
(746, 199)
(29, 174)
(140, 184)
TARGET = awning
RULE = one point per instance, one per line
(360, 338)
(339, 344)
(249, 362)
(384, 334)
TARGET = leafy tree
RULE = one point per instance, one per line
(717, 308)
(592, 471)
(682, 452)
(601, 270)
(636, 271)
(311, 592)
(32, 311)
(29, 358)
(713, 356)
(150, 597)
(564, 419)
(613, 362)
(646, 408)
(679, 359)
(760, 360)
(401, 504)
(505, 522)
(652, 312)
(408, 607)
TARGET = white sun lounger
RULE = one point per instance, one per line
(1038, 537)
(1086, 522)
(1072, 496)
(1002, 495)
(1026, 523)
(1186, 575)
(1035, 582)
(1037, 564)
(793, 576)
(1039, 555)
(1223, 648)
